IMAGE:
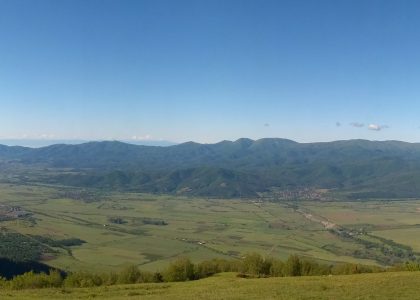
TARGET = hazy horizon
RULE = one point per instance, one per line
(38, 143)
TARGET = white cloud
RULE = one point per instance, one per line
(377, 127)
(141, 138)
(46, 136)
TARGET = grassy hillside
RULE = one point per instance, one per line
(381, 286)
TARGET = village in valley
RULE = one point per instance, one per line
(8, 212)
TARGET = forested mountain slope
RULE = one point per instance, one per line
(232, 169)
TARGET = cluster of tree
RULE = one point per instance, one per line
(255, 265)
(82, 195)
(29, 248)
(150, 221)
(116, 220)
(384, 251)
(58, 243)
(18, 247)
(182, 269)
(31, 280)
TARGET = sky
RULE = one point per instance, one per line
(210, 70)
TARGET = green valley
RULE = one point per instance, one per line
(112, 230)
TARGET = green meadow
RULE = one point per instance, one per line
(380, 286)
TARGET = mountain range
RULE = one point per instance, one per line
(241, 168)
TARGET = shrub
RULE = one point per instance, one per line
(311, 268)
(157, 277)
(110, 278)
(277, 268)
(224, 265)
(347, 269)
(31, 280)
(83, 279)
(206, 269)
(130, 274)
(292, 266)
(180, 270)
(255, 264)
(411, 266)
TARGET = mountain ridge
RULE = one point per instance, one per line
(238, 168)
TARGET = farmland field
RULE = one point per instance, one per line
(151, 230)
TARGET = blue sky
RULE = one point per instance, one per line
(210, 70)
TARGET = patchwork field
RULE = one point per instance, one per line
(150, 231)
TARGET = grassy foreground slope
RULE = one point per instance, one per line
(394, 285)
